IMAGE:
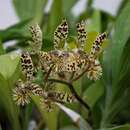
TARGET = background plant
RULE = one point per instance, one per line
(107, 97)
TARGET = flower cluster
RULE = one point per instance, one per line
(59, 63)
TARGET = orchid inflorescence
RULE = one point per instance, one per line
(61, 63)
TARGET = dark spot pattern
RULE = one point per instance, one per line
(27, 65)
(60, 34)
(82, 34)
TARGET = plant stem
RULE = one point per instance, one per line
(44, 20)
(69, 84)
(48, 73)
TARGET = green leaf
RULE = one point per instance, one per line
(17, 31)
(116, 70)
(91, 38)
(117, 83)
(26, 116)
(49, 117)
(8, 65)
(68, 4)
(93, 93)
(55, 17)
(107, 68)
(119, 40)
(123, 80)
(69, 128)
(95, 22)
(123, 127)
(6, 104)
(47, 44)
(29, 9)
(2, 51)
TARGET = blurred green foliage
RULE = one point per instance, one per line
(109, 97)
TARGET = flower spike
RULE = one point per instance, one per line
(36, 37)
(57, 66)
(96, 48)
(82, 34)
(27, 65)
(60, 34)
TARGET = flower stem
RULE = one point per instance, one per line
(71, 87)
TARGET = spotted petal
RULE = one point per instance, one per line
(36, 33)
(60, 34)
(27, 65)
(82, 34)
(96, 48)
